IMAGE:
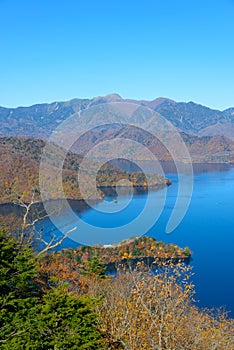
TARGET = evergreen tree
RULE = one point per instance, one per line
(36, 319)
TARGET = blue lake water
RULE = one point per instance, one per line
(207, 228)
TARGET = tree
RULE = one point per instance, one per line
(26, 232)
(154, 311)
(58, 321)
(18, 291)
(96, 267)
(37, 318)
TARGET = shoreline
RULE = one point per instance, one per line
(104, 189)
(149, 261)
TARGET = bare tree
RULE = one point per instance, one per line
(154, 311)
(29, 233)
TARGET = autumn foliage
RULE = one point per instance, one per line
(142, 308)
(66, 301)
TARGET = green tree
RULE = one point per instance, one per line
(58, 321)
(96, 267)
(18, 291)
(37, 319)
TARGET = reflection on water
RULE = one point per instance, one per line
(169, 166)
(207, 228)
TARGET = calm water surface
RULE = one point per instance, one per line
(207, 228)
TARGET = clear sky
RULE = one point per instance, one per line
(54, 50)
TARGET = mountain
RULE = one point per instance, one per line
(204, 149)
(208, 133)
(41, 119)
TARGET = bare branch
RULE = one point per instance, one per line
(26, 236)
(50, 245)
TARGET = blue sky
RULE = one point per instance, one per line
(55, 50)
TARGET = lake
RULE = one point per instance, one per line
(207, 228)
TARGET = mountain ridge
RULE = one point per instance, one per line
(208, 133)
(189, 117)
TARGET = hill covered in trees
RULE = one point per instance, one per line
(49, 304)
(19, 171)
(127, 253)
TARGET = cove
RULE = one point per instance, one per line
(207, 228)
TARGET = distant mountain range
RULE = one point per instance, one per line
(208, 133)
